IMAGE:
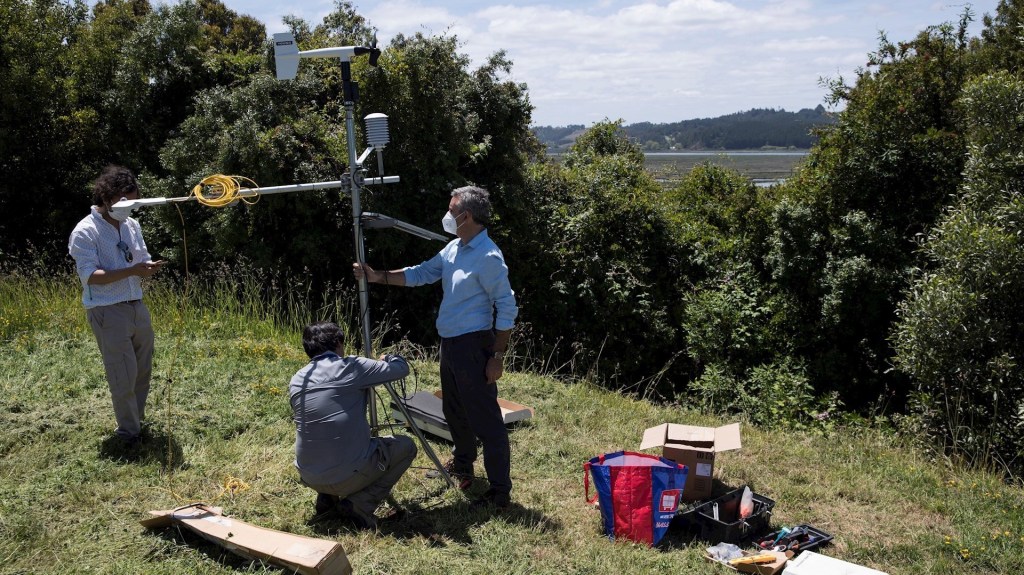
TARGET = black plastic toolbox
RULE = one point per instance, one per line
(811, 537)
(728, 526)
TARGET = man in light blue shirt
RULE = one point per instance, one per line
(111, 259)
(476, 317)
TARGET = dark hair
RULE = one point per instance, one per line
(321, 337)
(114, 183)
(476, 201)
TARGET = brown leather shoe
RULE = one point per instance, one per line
(463, 477)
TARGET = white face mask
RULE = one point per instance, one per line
(119, 215)
(450, 224)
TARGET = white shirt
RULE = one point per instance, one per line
(93, 244)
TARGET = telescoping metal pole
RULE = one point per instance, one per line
(364, 297)
(350, 96)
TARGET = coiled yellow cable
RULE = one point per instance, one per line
(231, 486)
(219, 190)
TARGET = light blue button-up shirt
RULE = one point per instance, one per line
(93, 244)
(474, 277)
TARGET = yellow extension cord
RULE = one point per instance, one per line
(219, 190)
(215, 191)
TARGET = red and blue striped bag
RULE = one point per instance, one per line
(638, 493)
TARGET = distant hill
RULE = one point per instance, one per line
(754, 129)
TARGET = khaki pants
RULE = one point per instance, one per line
(368, 487)
(124, 332)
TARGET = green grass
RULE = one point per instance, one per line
(222, 433)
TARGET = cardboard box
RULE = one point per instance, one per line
(425, 409)
(694, 447)
(296, 553)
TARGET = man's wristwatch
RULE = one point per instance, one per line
(497, 354)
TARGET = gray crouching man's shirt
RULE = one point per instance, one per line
(328, 398)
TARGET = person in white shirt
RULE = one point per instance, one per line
(111, 259)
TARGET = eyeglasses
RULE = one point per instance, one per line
(125, 250)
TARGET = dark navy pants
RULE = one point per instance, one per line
(470, 407)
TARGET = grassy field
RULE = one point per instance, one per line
(221, 433)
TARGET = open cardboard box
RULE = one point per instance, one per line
(694, 447)
(296, 553)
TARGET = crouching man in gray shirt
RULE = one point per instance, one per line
(351, 471)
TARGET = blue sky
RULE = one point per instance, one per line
(655, 60)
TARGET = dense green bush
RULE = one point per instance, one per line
(81, 89)
(841, 239)
(602, 286)
(727, 322)
(776, 395)
(959, 333)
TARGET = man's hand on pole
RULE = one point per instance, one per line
(360, 270)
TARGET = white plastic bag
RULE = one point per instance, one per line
(746, 503)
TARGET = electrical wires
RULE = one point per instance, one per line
(219, 190)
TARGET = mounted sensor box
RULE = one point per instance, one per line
(696, 448)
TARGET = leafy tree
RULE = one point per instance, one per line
(959, 330)
(448, 126)
(1002, 39)
(140, 69)
(841, 236)
(603, 279)
(41, 135)
(82, 90)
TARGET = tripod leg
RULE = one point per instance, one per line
(419, 434)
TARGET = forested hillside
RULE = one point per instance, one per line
(750, 130)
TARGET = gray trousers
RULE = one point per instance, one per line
(372, 483)
(124, 332)
(470, 407)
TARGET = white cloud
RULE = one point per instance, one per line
(662, 60)
(814, 44)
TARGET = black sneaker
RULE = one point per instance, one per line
(491, 498)
(129, 446)
(358, 518)
(325, 503)
(463, 478)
